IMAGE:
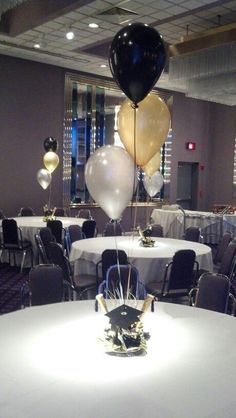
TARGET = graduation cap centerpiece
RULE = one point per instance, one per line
(125, 336)
(145, 237)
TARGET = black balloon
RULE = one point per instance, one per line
(50, 144)
(137, 58)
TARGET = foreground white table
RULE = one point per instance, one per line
(52, 365)
(150, 262)
(172, 222)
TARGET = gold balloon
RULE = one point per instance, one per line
(153, 165)
(51, 161)
(152, 126)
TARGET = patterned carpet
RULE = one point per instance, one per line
(11, 281)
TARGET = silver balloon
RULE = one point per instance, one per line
(110, 175)
(153, 184)
(44, 178)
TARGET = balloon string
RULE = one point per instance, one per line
(50, 192)
(135, 106)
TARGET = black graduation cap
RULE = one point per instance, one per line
(124, 316)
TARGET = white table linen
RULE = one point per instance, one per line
(150, 262)
(52, 365)
(172, 222)
(30, 225)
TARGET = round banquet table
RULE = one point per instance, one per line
(52, 364)
(30, 225)
(150, 262)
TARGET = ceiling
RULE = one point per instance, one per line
(26, 22)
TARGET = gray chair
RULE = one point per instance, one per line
(13, 242)
(44, 286)
(26, 211)
(179, 277)
(156, 230)
(192, 233)
(80, 283)
(213, 293)
(122, 282)
(84, 213)
(112, 229)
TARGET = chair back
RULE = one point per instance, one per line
(84, 213)
(2, 216)
(122, 282)
(113, 229)
(45, 284)
(156, 230)
(73, 233)
(213, 292)
(60, 212)
(57, 257)
(10, 233)
(181, 271)
(89, 228)
(46, 236)
(192, 233)
(41, 250)
(26, 211)
(221, 248)
(56, 227)
(112, 257)
(227, 259)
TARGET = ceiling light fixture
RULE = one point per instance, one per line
(93, 25)
(70, 34)
(37, 45)
(103, 66)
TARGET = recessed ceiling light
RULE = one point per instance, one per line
(93, 25)
(70, 34)
(103, 65)
(37, 45)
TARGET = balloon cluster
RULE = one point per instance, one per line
(137, 58)
(51, 161)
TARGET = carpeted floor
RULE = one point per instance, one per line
(11, 281)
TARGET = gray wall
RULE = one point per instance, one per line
(32, 108)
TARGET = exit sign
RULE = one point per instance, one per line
(190, 145)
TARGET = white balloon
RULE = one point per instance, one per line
(110, 175)
(153, 184)
(44, 178)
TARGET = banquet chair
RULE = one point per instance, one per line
(192, 233)
(80, 283)
(2, 216)
(46, 236)
(60, 212)
(112, 229)
(73, 233)
(109, 258)
(122, 282)
(221, 248)
(13, 242)
(84, 213)
(26, 211)
(226, 264)
(42, 256)
(57, 229)
(156, 230)
(89, 228)
(179, 277)
(213, 293)
(45, 285)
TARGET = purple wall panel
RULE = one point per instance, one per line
(31, 108)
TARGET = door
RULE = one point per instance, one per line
(187, 185)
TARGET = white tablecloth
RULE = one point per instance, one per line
(150, 262)
(229, 224)
(52, 365)
(30, 225)
(172, 222)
